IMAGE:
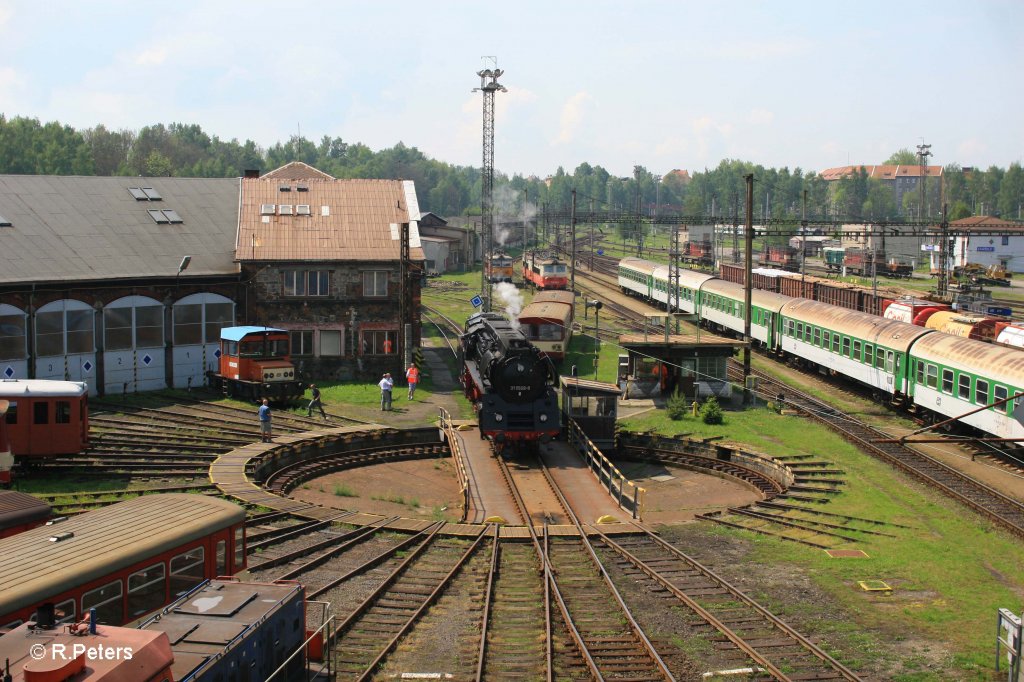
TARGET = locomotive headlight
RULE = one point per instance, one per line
(543, 417)
(498, 417)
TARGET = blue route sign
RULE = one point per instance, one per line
(476, 301)
(600, 252)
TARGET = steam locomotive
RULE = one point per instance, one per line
(509, 382)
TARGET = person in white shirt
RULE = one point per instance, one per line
(386, 384)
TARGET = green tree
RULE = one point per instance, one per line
(902, 157)
(675, 406)
(711, 411)
(158, 165)
(1011, 192)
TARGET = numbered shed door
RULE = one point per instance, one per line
(65, 342)
(197, 321)
(133, 335)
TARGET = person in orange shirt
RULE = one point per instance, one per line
(412, 375)
(387, 345)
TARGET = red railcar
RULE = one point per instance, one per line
(43, 419)
(20, 512)
(545, 272)
(783, 257)
(700, 253)
(125, 560)
(255, 363)
(547, 322)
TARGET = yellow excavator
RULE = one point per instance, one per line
(993, 275)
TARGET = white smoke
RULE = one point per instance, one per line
(512, 299)
(509, 203)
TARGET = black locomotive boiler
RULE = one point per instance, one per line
(509, 382)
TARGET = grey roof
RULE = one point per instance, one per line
(92, 228)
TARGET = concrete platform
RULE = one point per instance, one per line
(488, 493)
(588, 498)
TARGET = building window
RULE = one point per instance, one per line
(1006, 240)
(302, 341)
(379, 343)
(188, 324)
(375, 283)
(149, 326)
(117, 325)
(12, 337)
(330, 342)
(306, 282)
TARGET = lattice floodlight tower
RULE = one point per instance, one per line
(488, 85)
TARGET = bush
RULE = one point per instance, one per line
(676, 406)
(711, 411)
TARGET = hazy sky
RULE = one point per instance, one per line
(671, 84)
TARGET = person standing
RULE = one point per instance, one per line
(388, 345)
(412, 375)
(386, 384)
(265, 428)
(315, 403)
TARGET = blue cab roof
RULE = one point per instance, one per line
(237, 333)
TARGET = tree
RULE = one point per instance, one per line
(711, 411)
(1011, 192)
(158, 165)
(902, 157)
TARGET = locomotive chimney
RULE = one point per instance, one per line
(45, 619)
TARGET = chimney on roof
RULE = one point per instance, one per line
(252, 172)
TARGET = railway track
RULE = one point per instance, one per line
(990, 503)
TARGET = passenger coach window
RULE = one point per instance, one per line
(817, 336)
(222, 557)
(835, 343)
(63, 612)
(826, 340)
(187, 570)
(999, 393)
(981, 392)
(891, 363)
(147, 590)
(239, 549)
(107, 602)
(856, 350)
(41, 413)
(62, 413)
(964, 391)
(933, 376)
(947, 381)
(869, 354)
(846, 347)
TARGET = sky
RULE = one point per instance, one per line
(665, 85)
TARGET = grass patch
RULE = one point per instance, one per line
(342, 490)
(950, 571)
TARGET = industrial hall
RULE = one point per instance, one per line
(125, 282)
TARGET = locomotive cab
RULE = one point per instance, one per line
(255, 362)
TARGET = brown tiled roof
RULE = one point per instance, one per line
(297, 170)
(882, 172)
(985, 222)
(683, 175)
(348, 220)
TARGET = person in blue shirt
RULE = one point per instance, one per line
(264, 415)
